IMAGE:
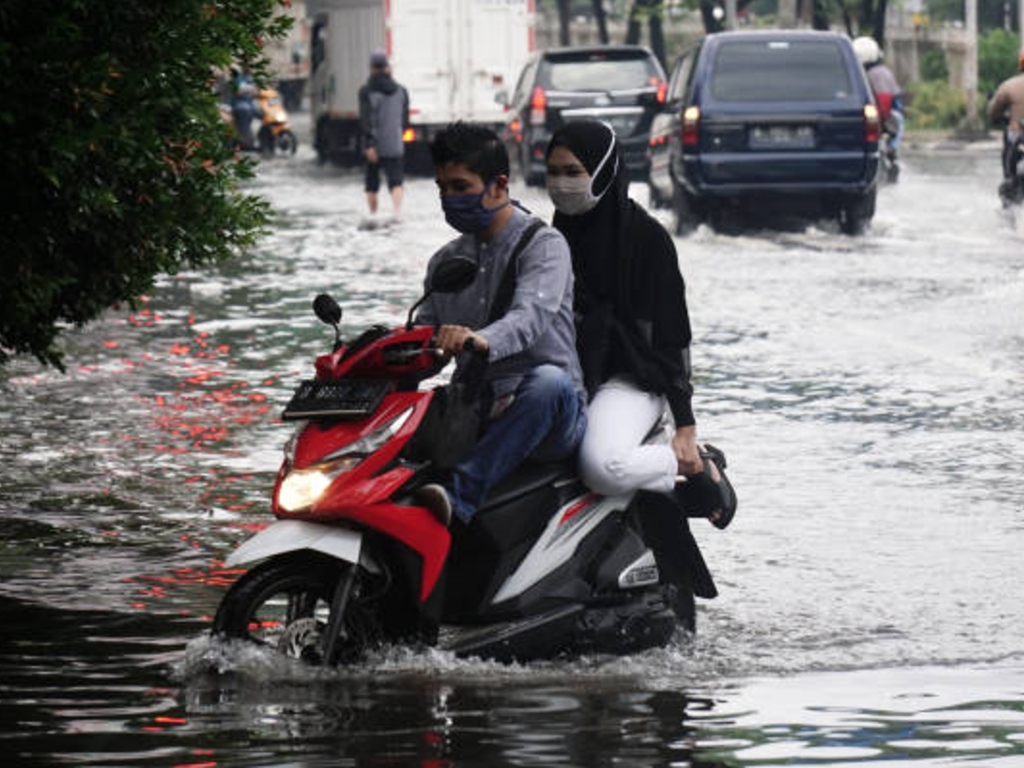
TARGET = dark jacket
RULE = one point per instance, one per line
(383, 114)
(630, 299)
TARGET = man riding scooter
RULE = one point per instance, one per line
(534, 379)
(1006, 108)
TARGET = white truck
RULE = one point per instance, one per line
(458, 59)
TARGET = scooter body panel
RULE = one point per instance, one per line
(565, 531)
(286, 536)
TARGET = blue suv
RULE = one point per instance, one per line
(772, 123)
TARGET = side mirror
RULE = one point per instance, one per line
(453, 275)
(327, 309)
(450, 276)
(329, 312)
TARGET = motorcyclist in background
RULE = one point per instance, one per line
(1006, 108)
(888, 94)
(243, 107)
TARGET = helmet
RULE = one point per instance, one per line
(866, 50)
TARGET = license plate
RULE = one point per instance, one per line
(782, 137)
(339, 399)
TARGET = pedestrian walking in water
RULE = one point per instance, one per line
(383, 117)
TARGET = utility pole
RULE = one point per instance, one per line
(787, 13)
(972, 127)
(730, 14)
(971, 60)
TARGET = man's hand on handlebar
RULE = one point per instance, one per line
(453, 339)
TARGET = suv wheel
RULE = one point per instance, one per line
(686, 215)
(857, 212)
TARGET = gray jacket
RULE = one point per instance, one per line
(383, 114)
(538, 327)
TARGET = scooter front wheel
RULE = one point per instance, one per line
(286, 604)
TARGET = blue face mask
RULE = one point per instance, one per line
(467, 213)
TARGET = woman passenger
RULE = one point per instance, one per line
(633, 331)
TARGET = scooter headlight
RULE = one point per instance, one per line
(302, 488)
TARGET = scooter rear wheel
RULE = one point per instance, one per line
(286, 142)
(285, 604)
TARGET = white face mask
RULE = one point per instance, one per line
(574, 195)
(571, 194)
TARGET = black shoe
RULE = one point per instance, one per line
(435, 498)
(702, 496)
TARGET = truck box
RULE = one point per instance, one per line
(456, 58)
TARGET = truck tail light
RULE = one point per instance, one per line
(691, 126)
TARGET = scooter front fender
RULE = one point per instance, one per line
(294, 535)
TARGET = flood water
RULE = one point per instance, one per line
(867, 392)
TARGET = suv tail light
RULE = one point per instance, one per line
(691, 126)
(872, 126)
(538, 106)
(660, 89)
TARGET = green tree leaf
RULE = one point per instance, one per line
(117, 163)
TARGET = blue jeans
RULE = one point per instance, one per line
(898, 121)
(545, 422)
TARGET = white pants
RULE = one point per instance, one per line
(613, 459)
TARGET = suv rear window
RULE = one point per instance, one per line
(599, 73)
(781, 70)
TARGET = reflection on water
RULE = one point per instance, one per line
(865, 390)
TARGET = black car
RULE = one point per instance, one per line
(767, 123)
(622, 85)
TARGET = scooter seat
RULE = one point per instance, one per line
(529, 476)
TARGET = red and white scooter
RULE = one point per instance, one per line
(546, 568)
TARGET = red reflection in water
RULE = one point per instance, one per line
(209, 411)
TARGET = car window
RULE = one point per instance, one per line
(600, 75)
(681, 77)
(525, 79)
(780, 71)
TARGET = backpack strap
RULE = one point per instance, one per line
(507, 287)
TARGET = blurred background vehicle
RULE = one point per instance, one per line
(767, 123)
(1011, 190)
(275, 133)
(622, 85)
(455, 59)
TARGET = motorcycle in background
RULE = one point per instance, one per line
(275, 133)
(1011, 190)
(546, 568)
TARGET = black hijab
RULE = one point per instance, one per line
(601, 252)
(630, 296)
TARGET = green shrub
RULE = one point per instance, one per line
(997, 59)
(933, 65)
(935, 104)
